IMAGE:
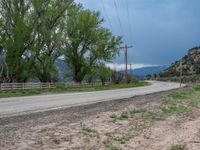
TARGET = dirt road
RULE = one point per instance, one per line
(21, 105)
(93, 127)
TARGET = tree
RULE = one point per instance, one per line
(31, 34)
(87, 42)
(3, 67)
(104, 73)
(49, 16)
(15, 32)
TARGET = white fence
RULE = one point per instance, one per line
(20, 86)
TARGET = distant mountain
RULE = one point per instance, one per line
(141, 73)
(190, 64)
(62, 68)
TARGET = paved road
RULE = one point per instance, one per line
(20, 105)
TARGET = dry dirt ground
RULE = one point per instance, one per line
(129, 124)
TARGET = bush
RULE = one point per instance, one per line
(117, 77)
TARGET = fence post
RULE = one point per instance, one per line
(49, 86)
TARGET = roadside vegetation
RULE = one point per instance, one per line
(176, 104)
(35, 33)
(61, 88)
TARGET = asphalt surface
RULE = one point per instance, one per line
(30, 104)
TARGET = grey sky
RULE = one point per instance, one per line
(161, 30)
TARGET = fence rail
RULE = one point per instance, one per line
(24, 86)
(20, 86)
(85, 84)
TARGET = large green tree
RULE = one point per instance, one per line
(31, 34)
(50, 16)
(15, 32)
(87, 42)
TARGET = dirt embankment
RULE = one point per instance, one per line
(121, 124)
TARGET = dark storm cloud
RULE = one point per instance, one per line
(162, 30)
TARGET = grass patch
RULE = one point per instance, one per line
(120, 86)
(109, 144)
(15, 93)
(40, 142)
(56, 141)
(177, 147)
(124, 138)
(179, 95)
(126, 115)
(197, 88)
(136, 111)
(122, 116)
(181, 101)
(90, 133)
(152, 115)
(173, 110)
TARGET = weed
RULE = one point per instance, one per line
(90, 133)
(122, 139)
(173, 110)
(135, 111)
(179, 95)
(114, 117)
(40, 142)
(56, 141)
(177, 147)
(119, 86)
(197, 88)
(123, 116)
(109, 145)
(151, 115)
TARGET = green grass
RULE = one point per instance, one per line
(152, 115)
(90, 133)
(63, 89)
(136, 111)
(126, 115)
(122, 116)
(120, 86)
(109, 144)
(173, 110)
(177, 147)
(15, 93)
(181, 102)
(56, 141)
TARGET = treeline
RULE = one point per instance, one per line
(34, 33)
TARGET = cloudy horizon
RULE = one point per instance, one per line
(121, 67)
(160, 31)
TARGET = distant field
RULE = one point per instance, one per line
(62, 89)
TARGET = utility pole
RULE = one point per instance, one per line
(126, 47)
(181, 72)
(130, 68)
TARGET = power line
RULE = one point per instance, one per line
(129, 19)
(104, 9)
(118, 17)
